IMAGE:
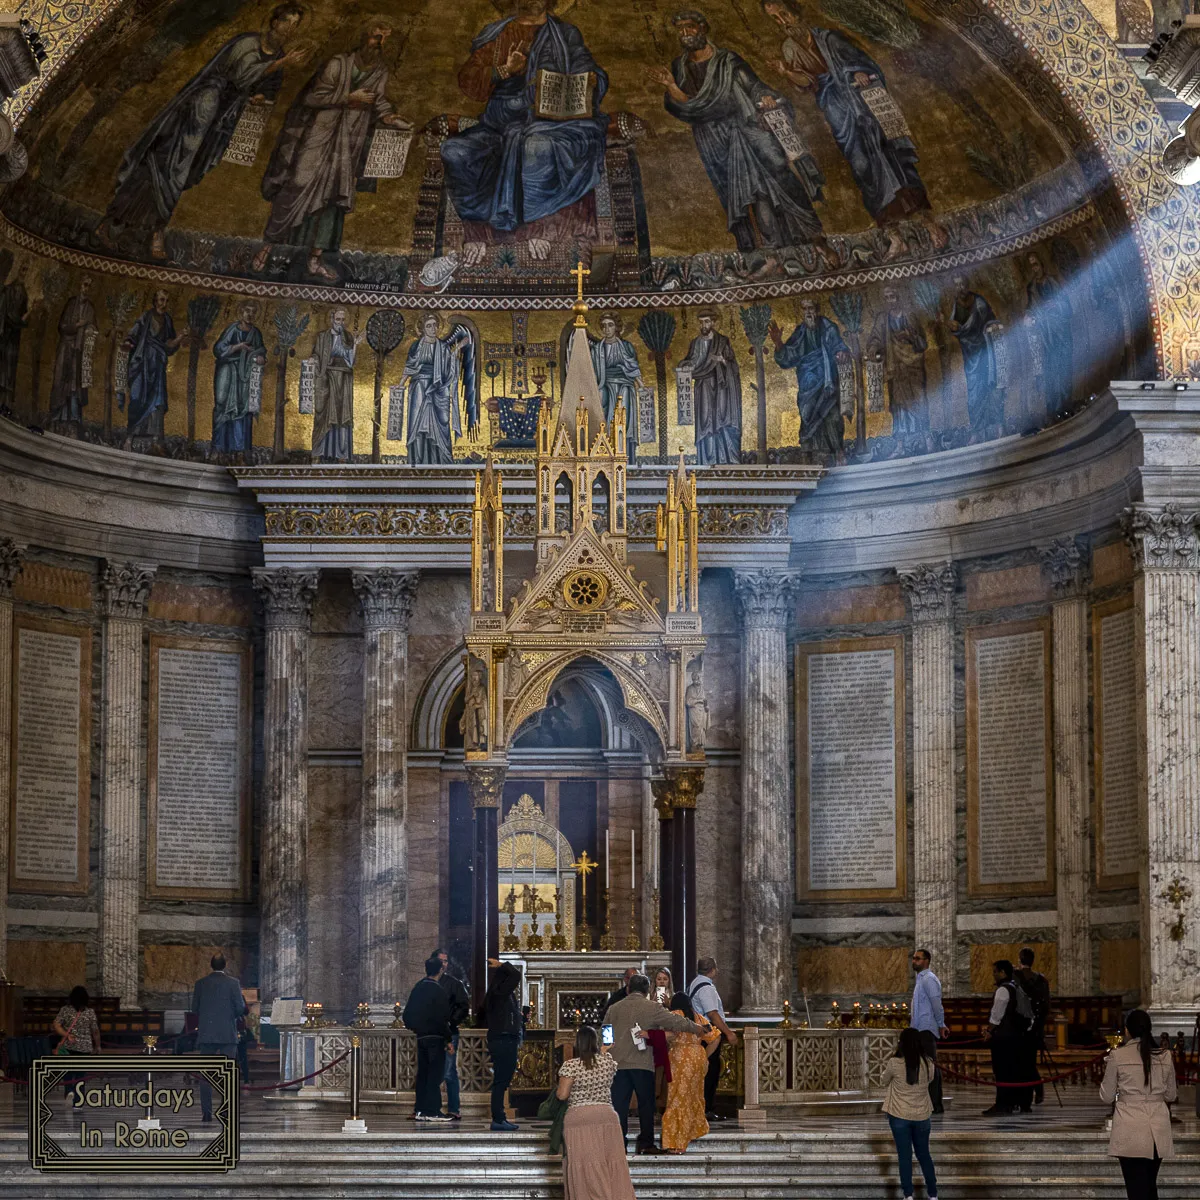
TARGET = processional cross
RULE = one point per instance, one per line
(583, 935)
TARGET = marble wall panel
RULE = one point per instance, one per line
(334, 794)
(1111, 564)
(47, 966)
(1120, 965)
(174, 601)
(427, 875)
(440, 615)
(335, 692)
(60, 587)
(174, 968)
(850, 606)
(719, 877)
(853, 970)
(1006, 589)
(984, 954)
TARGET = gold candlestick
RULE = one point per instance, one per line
(397, 1017)
(533, 939)
(511, 940)
(607, 940)
(633, 940)
(656, 938)
(558, 939)
(362, 1016)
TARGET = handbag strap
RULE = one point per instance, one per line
(71, 1027)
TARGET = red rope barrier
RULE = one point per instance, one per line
(271, 1087)
(1091, 1062)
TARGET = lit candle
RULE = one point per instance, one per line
(607, 861)
(633, 860)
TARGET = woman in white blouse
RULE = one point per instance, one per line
(1140, 1077)
(594, 1165)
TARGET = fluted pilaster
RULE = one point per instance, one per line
(930, 590)
(124, 590)
(386, 597)
(1064, 565)
(287, 598)
(1166, 550)
(766, 599)
(10, 566)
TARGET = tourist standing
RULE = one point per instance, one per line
(501, 1013)
(619, 994)
(663, 988)
(218, 1003)
(1140, 1078)
(594, 1166)
(427, 1014)
(928, 1018)
(76, 1024)
(460, 1008)
(630, 1018)
(1037, 987)
(1008, 1028)
(684, 1121)
(706, 1000)
(908, 1105)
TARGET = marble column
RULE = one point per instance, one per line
(10, 567)
(675, 797)
(930, 589)
(386, 597)
(1065, 567)
(125, 589)
(486, 785)
(766, 599)
(1166, 552)
(287, 598)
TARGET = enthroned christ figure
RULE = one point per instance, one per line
(516, 175)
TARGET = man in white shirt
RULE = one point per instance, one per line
(1005, 1033)
(705, 998)
(928, 1018)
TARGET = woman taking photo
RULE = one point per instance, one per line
(594, 1165)
(1140, 1077)
(908, 1107)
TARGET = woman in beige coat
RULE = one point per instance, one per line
(1141, 1079)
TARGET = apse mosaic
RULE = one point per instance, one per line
(827, 229)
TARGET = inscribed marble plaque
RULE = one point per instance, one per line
(51, 723)
(199, 737)
(1117, 778)
(1009, 770)
(850, 774)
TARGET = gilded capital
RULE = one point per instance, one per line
(486, 785)
(930, 589)
(1163, 539)
(386, 597)
(1065, 567)
(766, 597)
(287, 596)
(124, 590)
(679, 787)
(10, 566)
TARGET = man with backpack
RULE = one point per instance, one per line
(1037, 988)
(460, 1009)
(705, 998)
(1008, 1035)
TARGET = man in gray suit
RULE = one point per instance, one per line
(219, 1005)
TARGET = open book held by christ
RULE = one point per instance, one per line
(563, 97)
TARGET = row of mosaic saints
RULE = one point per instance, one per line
(1018, 343)
(516, 171)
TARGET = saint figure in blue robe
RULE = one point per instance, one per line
(817, 353)
(437, 370)
(515, 170)
(237, 351)
(150, 343)
(1048, 319)
(618, 373)
(969, 322)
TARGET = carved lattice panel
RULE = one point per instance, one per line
(406, 1063)
(474, 1066)
(377, 1057)
(772, 1063)
(814, 1064)
(854, 1061)
(881, 1046)
(329, 1048)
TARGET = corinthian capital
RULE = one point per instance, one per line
(1163, 539)
(287, 596)
(386, 597)
(486, 785)
(124, 590)
(1065, 567)
(766, 597)
(10, 566)
(930, 589)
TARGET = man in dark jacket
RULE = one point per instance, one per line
(460, 1008)
(501, 1012)
(218, 1004)
(619, 994)
(1037, 987)
(427, 1014)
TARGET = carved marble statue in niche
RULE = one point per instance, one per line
(695, 704)
(474, 722)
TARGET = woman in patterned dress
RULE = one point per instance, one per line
(76, 1024)
(684, 1120)
(594, 1164)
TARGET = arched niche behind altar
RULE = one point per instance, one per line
(533, 859)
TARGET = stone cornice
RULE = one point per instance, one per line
(124, 590)
(930, 590)
(287, 597)
(386, 597)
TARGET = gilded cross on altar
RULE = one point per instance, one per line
(585, 866)
(581, 273)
